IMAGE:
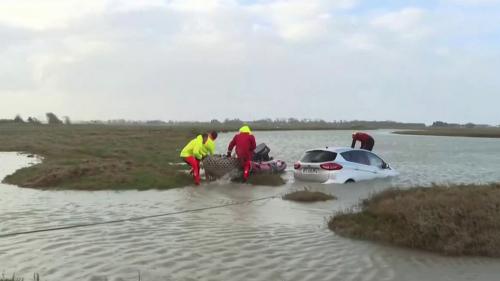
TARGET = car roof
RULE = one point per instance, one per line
(337, 149)
(341, 149)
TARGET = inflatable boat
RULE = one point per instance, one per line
(218, 166)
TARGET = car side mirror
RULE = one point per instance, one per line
(385, 166)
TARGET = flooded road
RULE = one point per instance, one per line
(265, 240)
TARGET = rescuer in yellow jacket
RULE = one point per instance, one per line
(197, 149)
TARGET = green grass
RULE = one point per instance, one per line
(454, 220)
(94, 157)
(455, 132)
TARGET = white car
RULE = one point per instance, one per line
(341, 165)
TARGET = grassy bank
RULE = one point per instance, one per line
(455, 220)
(455, 132)
(98, 157)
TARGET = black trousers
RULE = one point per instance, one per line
(368, 145)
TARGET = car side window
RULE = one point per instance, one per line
(347, 156)
(355, 156)
(363, 157)
(375, 160)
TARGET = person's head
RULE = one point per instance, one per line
(213, 135)
(245, 129)
(204, 137)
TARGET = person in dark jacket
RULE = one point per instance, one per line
(367, 141)
(245, 146)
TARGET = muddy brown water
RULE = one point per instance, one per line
(266, 240)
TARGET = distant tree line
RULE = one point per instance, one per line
(52, 119)
(271, 124)
(260, 124)
(441, 124)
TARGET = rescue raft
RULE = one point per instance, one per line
(220, 165)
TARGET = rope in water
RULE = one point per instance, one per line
(134, 218)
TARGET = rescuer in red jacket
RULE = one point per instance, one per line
(367, 142)
(245, 145)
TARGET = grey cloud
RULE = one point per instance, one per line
(165, 64)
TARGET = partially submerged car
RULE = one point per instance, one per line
(341, 165)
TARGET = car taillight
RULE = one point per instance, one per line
(331, 166)
(296, 166)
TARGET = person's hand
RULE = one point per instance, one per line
(228, 154)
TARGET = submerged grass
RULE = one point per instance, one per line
(36, 277)
(455, 132)
(307, 195)
(266, 179)
(98, 157)
(452, 220)
(260, 179)
(12, 278)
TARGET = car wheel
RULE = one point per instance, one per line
(350, 181)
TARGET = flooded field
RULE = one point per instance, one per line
(264, 240)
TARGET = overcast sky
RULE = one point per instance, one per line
(414, 61)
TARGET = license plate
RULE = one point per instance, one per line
(310, 171)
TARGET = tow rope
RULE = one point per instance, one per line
(134, 218)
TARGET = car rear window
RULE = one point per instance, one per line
(318, 156)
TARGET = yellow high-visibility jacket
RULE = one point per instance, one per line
(209, 147)
(198, 149)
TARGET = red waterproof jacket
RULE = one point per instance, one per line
(245, 145)
(362, 137)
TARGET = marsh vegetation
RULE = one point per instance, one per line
(307, 195)
(92, 157)
(455, 132)
(452, 220)
(98, 157)
(3, 277)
